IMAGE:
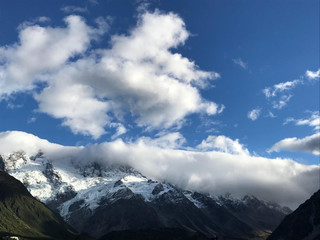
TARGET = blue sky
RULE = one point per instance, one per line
(255, 47)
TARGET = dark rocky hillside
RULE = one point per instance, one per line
(303, 223)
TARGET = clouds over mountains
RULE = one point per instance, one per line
(218, 165)
(94, 89)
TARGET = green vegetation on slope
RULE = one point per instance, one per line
(23, 215)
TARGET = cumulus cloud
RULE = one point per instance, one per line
(76, 104)
(216, 171)
(254, 114)
(138, 75)
(39, 51)
(309, 144)
(313, 75)
(241, 63)
(312, 121)
(223, 144)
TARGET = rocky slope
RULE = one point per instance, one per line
(98, 199)
(303, 223)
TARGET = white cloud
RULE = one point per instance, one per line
(217, 172)
(41, 50)
(163, 140)
(25, 24)
(241, 63)
(76, 104)
(11, 105)
(276, 93)
(31, 120)
(312, 121)
(254, 114)
(310, 144)
(120, 130)
(280, 87)
(272, 93)
(12, 141)
(282, 102)
(74, 9)
(271, 115)
(137, 75)
(223, 144)
(313, 75)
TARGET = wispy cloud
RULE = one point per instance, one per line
(74, 9)
(254, 114)
(280, 94)
(312, 121)
(280, 87)
(11, 105)
(41, 19)
(281, 102)
(241, 63)
(31, 120)
(271, 115)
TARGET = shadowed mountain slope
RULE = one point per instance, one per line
(303, 223)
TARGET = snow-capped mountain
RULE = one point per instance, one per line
(97, 199)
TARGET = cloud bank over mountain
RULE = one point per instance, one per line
(227, 168)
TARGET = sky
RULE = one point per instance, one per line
(196, 77)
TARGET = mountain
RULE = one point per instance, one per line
(23, 215)
(98, 199)
(303, 223)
